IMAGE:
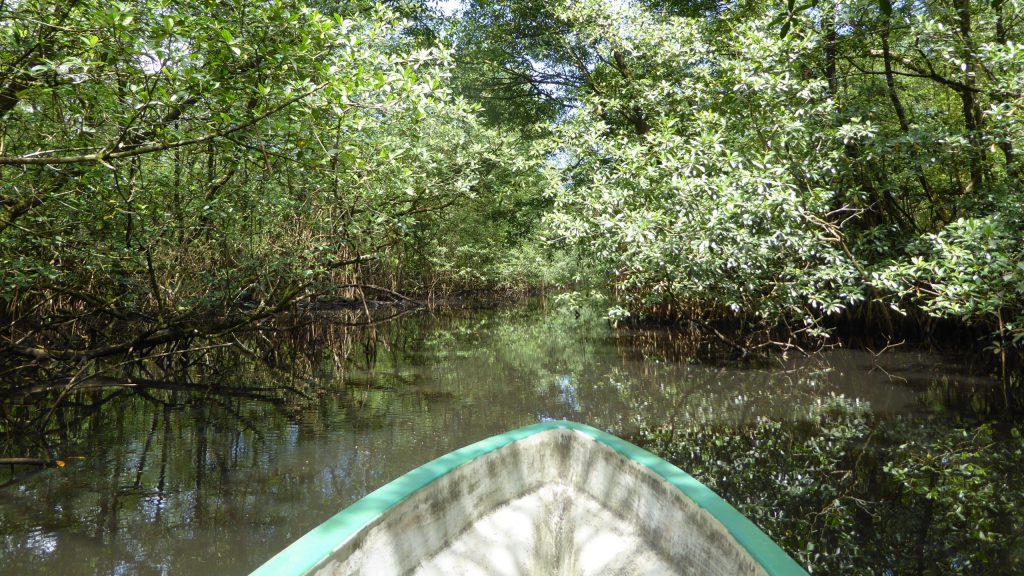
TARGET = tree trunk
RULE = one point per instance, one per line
(1005, 145)
(831, 51)
(894, 97)
(971, 110)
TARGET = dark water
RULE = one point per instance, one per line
(186, 484)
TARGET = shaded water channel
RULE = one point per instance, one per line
(180, 484)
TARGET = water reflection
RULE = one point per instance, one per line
(190, 483)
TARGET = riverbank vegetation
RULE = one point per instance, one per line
(789, 166)
(174, 170)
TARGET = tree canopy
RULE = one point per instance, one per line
(779, 164)
(175, 166)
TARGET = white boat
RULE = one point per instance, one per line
(552, 499)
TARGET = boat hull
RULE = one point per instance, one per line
(556, 498)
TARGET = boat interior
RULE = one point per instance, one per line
(555, 503)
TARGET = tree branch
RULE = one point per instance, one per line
(105, 155)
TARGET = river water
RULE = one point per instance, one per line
(178, 483)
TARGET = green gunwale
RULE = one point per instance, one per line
(307, 552)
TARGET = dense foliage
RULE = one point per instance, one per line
(781, 165)
(172, 167)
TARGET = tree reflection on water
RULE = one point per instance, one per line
(902, 463)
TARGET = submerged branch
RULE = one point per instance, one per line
(382, 290)
(44, 462)
(103, 382)
(156, 337)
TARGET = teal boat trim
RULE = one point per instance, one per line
(306, 553)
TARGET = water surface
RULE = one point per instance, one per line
(184, 484)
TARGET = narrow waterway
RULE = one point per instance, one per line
(178, 484)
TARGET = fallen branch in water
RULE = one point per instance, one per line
(96, 382)
(44, 462)
(383, 290)
(155, 337)
(377, 321)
